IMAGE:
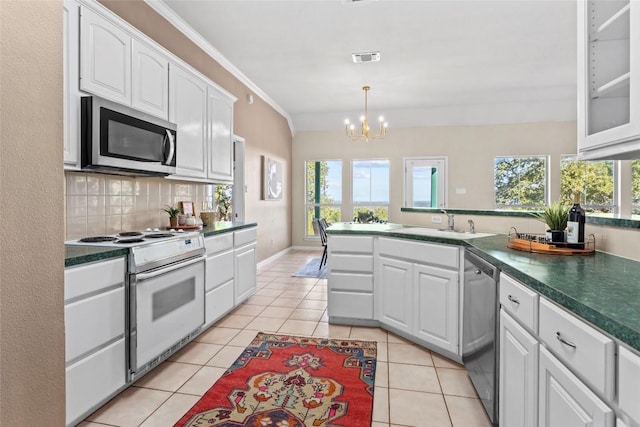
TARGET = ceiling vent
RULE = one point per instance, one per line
(365, 57)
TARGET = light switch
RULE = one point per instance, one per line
(461, 191)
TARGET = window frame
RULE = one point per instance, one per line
(369, 205)
(615, 199)
(546, 181)
(308, 205)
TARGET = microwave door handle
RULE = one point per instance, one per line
(172, 146)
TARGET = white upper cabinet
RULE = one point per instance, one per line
(188, 109)
(609, 79)
(105, 58)
(220, 128)
(150, 80)
(71, 99)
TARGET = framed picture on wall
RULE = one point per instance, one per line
(272, 179)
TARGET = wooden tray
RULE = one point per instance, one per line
(184, 227)
(527, 245)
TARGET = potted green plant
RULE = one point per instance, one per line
(555, 216)
(173, 215)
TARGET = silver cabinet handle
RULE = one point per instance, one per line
(513, 300)
(564, 341)
(477, 271)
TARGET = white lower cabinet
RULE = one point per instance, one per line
(350, 278)
(94, 335)
(436, 301)
(396, 293)
(245, 261)
(518, 374)
(219, 277)
(629, 383)
(415, 298)
(564, 401)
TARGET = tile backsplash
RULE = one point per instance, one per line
(97, 204)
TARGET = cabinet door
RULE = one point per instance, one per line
(436, 306)
(565, 401)
(149, 80)
(609, 67)
(71, 98)
(518, 374)
(395, 296)
(188, 109)
(220, 128)
(245, 272)
(105, 58)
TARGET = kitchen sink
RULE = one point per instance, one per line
(435, 232)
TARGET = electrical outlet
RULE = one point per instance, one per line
(436, 219)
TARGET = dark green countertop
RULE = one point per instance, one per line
(602, 289)
(610, 221)
(76, 255)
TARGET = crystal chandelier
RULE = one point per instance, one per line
(365, 132)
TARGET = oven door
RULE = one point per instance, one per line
(167, 306)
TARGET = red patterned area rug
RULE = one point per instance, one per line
(288, 381)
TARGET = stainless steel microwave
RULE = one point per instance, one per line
(120, 140)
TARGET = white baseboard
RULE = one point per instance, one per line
(274, 257)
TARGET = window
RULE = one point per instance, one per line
(425, 182)
(323, 192)
(635, 187)
(371, 189)
(594, 179)
(520, 182)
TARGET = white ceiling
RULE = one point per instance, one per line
(443, 62)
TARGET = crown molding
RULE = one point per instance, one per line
(174, 19)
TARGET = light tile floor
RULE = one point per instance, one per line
(413, 387)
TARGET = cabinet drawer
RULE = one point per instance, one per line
(92, 322)
(355, 263)
(246, 236)
(358, 244)
(424, 253)
(351, 282)
(629, 383)
(215, 244)
(218, 302)
(219, 270)
(589, 353)
(91, 278)
(93, 379)
(519, 301)
(350, 305)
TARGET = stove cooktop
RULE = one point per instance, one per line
(133, 238)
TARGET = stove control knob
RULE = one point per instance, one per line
(156, 229)
(148, 230)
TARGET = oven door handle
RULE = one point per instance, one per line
(146, 276)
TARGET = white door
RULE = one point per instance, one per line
(238, 179)
(436, 306)
(518, 375)
(395, 296)
(564, 401)
(149, 80)
(105, 58)
(425, 182)
(220, 128)
(245, 272)
(188, 109)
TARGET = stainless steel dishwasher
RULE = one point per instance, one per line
(479, 330)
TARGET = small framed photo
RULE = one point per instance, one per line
(187, 208)
(272, 179)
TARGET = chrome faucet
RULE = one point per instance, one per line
(472, 226)
(450, 221)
